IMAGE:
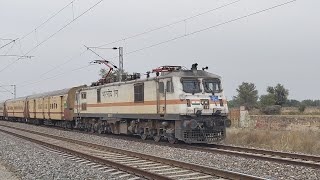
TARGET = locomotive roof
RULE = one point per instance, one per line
(190, 73)
(177, 73)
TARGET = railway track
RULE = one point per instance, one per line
(267, 155)
(136, 164)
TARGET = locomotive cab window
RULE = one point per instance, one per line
(191, 85)
(212, 85)
(139, 93)
(169, 86)
(84, 95)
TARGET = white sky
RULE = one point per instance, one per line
(277, 46)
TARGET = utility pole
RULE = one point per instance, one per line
(120, 64)
(14, 91)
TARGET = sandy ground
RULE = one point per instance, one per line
(5, 173)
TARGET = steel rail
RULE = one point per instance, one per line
(273, 156)
(102, 161)
(269, 152)
(193, 167)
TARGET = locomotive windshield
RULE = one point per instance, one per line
(212, 85)
(191, 85)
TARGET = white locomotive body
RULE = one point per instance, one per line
(185, 105)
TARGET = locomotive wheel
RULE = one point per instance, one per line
(157, 138)
(144, 136)
(172, 140)
(100, 130)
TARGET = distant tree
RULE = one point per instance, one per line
(247, 95)
(280, 94)
(113, 75)
(234, 103)
(292, 103)
(267, 100)
(308, 102)
(317, 102)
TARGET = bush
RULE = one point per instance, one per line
(271, 110)
(302, 108)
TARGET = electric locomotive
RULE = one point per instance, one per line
(177, 104)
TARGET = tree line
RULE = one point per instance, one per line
(270, 103)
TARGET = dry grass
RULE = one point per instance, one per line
(294, 141)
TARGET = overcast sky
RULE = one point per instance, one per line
(278, 46)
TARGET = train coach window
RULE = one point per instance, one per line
(161, 87)
(169, 86)
(139, 92)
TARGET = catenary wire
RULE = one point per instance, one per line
(170, 24)
(154, 29)
(207, 28)
(52, 77)
(12, 41)
(46, 21)
(179, 37)
(59, 65)
(6, 39)
(52, 35)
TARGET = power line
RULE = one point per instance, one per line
(52, 77)
(46, 21)
(12, 41)
(52, 35)
(168, 25)
(130, 37)
(179, 37)
(191, 17)
(208, 28)
(7, 90)
(6, 39)
(13, 55)
(59, 65)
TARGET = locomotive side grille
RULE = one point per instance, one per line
(205, 136)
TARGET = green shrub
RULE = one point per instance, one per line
(271, 110)
(302, 107)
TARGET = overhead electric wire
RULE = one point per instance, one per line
(6, 90)
(52, 77)
(9, 49)
(207, 28)
(13, 55)
(154, 29)
(6, 39)
(179, 37)
(59, 65)
(52, 35)
(168, 25)
(46, 21)
(12, 41)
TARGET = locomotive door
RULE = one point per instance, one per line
(34, 109)
(162, 96)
